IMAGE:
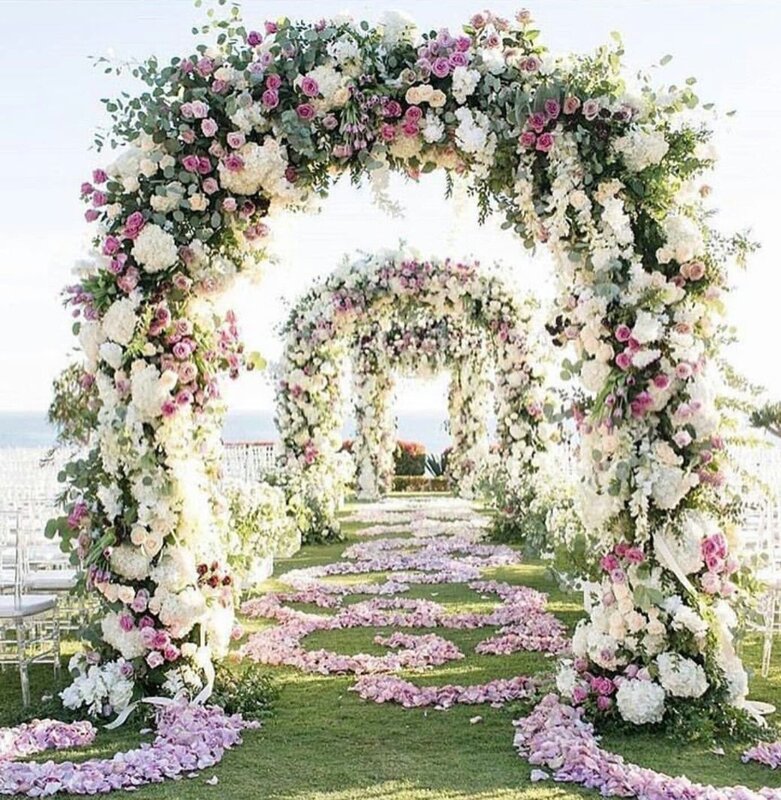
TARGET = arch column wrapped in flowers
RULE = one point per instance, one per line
(606, 178)
(397, 310)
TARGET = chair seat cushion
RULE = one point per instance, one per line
(27, 606)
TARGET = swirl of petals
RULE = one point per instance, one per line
(392, 689)
(281, 646)
(189, 738)
(556, 737)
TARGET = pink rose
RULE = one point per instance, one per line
(309, 87)
(623, 333)
(236, 139)
(133, 224)
(210, 186)
(661, 381)
(590, 109)
(683, 371)
(154, 659)
(270, 98)
(91, 215)
(190, 163)
(229, 204)
(305, 111)
(110, 245)
(609, 562)
(571, 104)
(413, 114)
(545, 142)
(199, 109)
(234, 163)
(387, 132)
(537, 122)
(129, 280)
(552, 108)
(530, 64)
(204, 166)
(273, 82)
(441, 67)
(99, 176)
(209, 127)
(270, 27)
(624, 360)
(528, 139)
(579, 694)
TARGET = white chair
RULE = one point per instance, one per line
(29, 623)
(769, 575)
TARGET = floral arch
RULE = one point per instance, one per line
(605, 177)
(397, 310)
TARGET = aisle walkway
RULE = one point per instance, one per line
(415, 610)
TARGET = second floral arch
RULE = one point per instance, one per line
(395, 312)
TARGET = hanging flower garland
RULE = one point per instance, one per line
(264, 120)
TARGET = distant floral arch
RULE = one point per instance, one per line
(264, 120)
(391, 310)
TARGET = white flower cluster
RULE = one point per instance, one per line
(680, 676)
(641, 148)
(103, 689)
(641, 702)
(155, 249)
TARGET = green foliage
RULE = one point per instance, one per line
(74, 406)
(768, 417)
(410, 458)
(246, 690)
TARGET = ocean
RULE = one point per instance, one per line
(31, 429)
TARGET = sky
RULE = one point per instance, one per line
(50, 101)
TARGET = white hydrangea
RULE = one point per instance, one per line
(154, 249)
(685, 617)
(670, 485)
(680, 676)
(465, 81)
(683, 240)
(175, 570)
(264, 170)
(641, 148)
(91, 336)
(119, 322)
(344, 50)
(129, 643)
(433, 128)
(397, 27)
(130, 562)
(647, 327)
(149, 389)
(472, 130)
(640, 702)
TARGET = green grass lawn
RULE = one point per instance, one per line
(324, 742)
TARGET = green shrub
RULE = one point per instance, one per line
(245, 690)
(409, 458)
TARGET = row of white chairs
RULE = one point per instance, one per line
(249, 461)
